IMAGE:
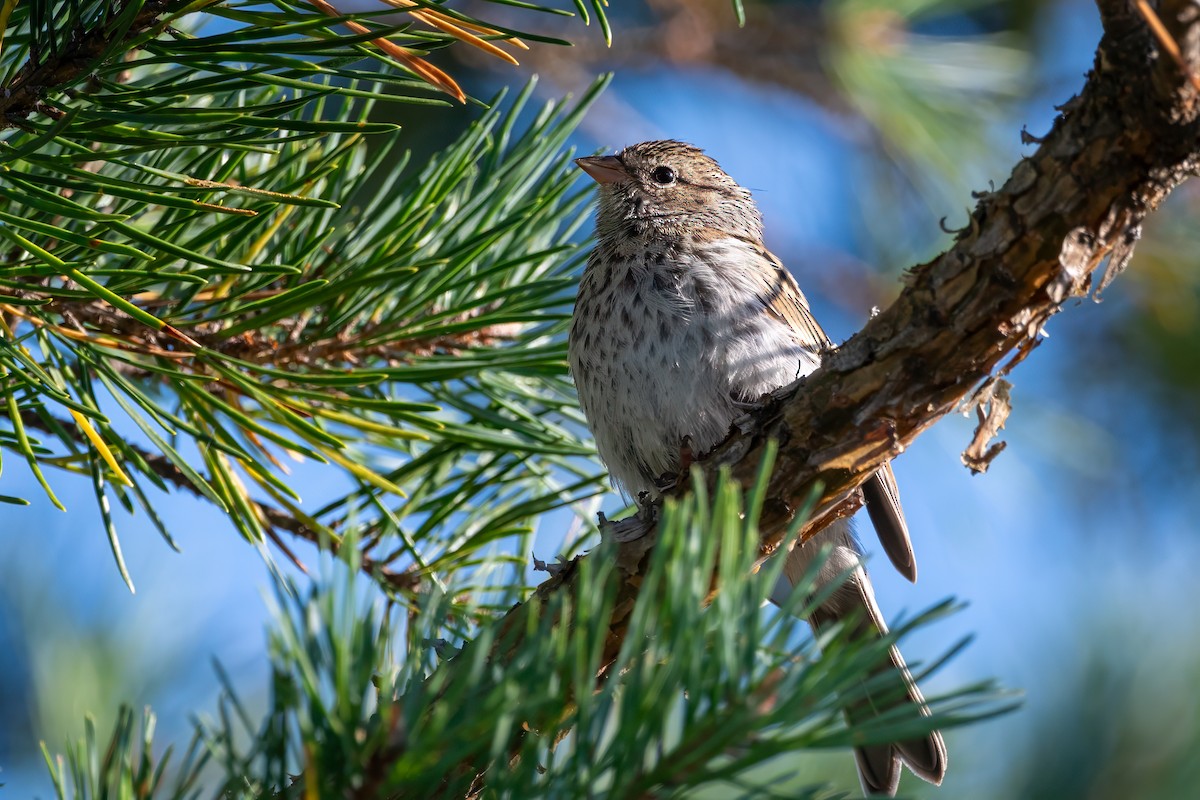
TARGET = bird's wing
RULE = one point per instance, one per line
(782, 298)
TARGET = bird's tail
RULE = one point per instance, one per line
(854, 602)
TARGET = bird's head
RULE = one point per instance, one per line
(666, 189)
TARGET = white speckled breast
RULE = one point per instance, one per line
(666, 344)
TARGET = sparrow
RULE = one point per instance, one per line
(683, 320)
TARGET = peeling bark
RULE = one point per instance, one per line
(992, 406)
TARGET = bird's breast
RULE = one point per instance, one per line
(664, 346)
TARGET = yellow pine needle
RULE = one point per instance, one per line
(258, 244)
(464, 36)
(456, 28)
(307, 521)
(14, 414)
(101, 447)
(429, 73)
(1168, 43)
(203, 183)
(6, 9)
(179, 335)
(221, 290)
(369, 425)
(241, 212)
(253, 438)
(486, 31)
(359, 471)
(311, 790)
(249, 504)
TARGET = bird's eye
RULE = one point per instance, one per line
(663, 176)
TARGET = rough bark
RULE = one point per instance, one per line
(1113, 155)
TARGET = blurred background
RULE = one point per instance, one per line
(859, 126)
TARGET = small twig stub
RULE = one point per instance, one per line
(992, 404)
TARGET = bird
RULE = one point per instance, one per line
(683, 320)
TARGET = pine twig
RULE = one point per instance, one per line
(276, 519)
(26, 93)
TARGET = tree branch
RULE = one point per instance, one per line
(1112, 157)
(60, 69)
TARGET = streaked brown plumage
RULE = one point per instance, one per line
(683, 318)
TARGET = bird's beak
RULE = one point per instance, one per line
(603, 169)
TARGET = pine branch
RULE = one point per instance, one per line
(45, 73)
(67, 46)
(714, 693)
(296, 351)
(1115, 153)
(275, 520)
(408, 337)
